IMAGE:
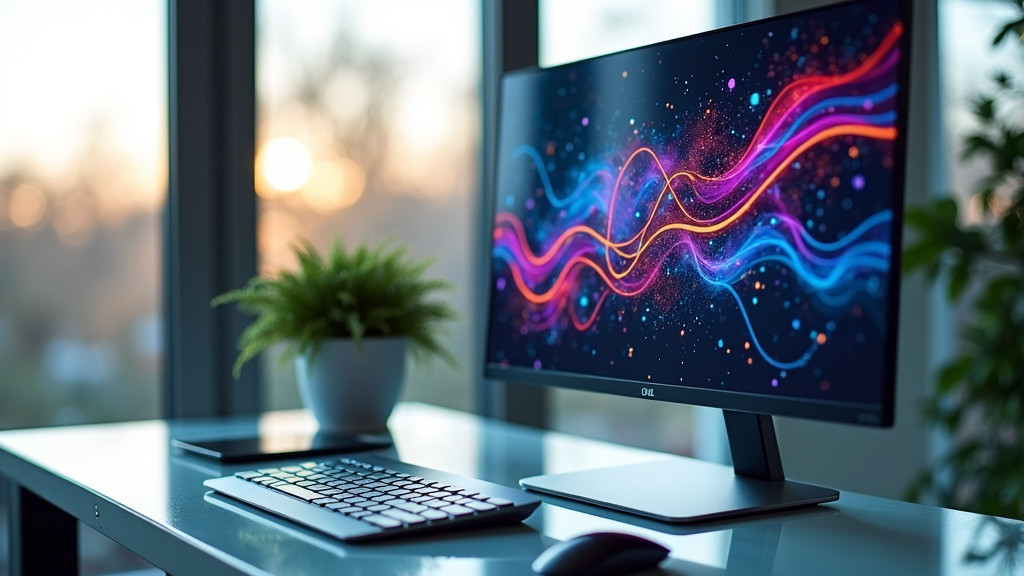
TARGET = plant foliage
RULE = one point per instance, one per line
(979, 396)
(363, 293)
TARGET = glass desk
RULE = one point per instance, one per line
(125, 481)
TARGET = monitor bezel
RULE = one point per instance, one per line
(881, 415)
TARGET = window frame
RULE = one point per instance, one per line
(210, 218)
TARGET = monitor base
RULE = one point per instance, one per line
(680, 490)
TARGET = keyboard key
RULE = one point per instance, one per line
(248, 475)
(404, 517)
(436, 503)
(298, 492)
(324, 501)
(432, 515)
(342, 506)
(358, 515)
(480, 506)
(499, 502)
(409, 506)
(457, 510)
(381, 521)
(379, 508)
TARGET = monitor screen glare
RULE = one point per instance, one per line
(712, 220)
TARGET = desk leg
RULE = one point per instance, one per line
(44, 538)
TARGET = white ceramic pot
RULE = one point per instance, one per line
(353, 391)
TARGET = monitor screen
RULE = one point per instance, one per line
(712, 220)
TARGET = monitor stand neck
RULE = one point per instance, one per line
(684, 490)
(754, 447)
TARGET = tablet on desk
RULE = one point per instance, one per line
(278, 446)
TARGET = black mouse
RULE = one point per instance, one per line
(600, 554)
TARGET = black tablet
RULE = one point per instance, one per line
(280, 446)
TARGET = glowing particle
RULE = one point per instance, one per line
(536, 364)
(757, 285)
(721, 343)
(625, 73)
(630, 354)
(858, 182)
(796, 324)
(637, 214)
(585, 121)
(682, 332)
(824, 40)
(868, 104)
(746, 345)
(821, 338)
(584, 300)
(775, 382)
(755, 99)
(853, 152)
(755, 300)
(732, 83)
(500, 284)
(773, 222)
(632, 121)
(750, 361)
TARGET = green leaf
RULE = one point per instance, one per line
(372, 290)
(958, 278)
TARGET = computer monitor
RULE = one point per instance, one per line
(713, 220)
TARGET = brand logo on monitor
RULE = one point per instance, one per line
(647, 392)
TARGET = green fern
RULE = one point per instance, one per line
(370, 291)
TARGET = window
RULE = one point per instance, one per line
(368, 128)
(82, 182)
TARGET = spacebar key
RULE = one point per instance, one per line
(298, 492)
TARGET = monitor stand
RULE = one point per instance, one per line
(685, 490)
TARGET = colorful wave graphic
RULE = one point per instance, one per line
(623, 229)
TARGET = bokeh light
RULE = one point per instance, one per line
(285, 165)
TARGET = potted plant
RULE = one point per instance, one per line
(979, 398)
(348, 320)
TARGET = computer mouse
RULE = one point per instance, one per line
(600, 554)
